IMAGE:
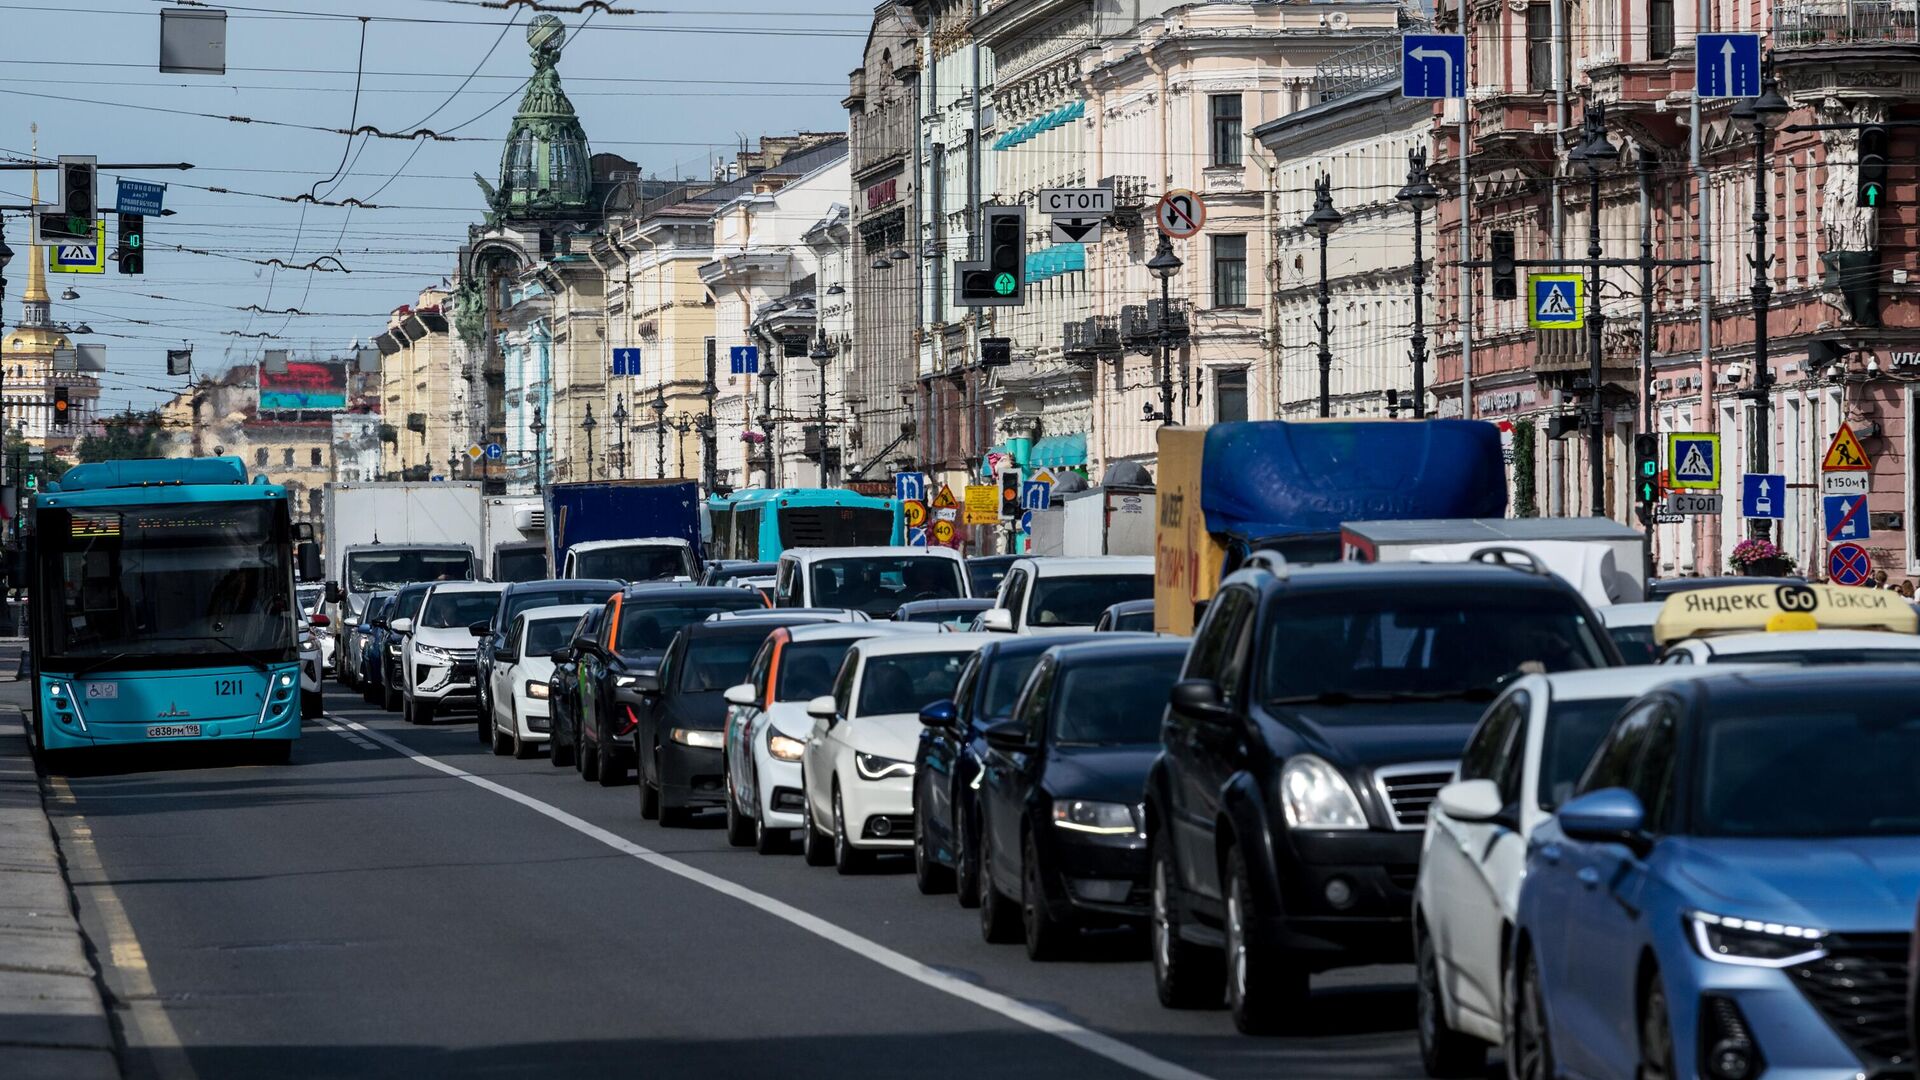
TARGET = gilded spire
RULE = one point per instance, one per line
(36, 263)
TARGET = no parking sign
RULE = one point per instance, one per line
(1849, 564)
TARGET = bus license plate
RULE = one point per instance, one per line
(173, 731)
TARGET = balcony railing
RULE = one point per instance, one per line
(1096, 336)
(1140, 323)
(1808, 23)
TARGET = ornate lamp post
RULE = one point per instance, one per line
(620, 432)
(538, 429)
(587, 426)
(1594, 153)
(1421, 196)
(1164, 265)
(682, 423)
(1761, 112)
(821, 356)
(768, 374)
(659, 407)
(1324, 221)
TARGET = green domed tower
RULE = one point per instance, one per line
(546, 169)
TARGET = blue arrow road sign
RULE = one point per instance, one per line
(1726, 65)
(917, 537)
(626, 361)
(139, 197)
(1433, 65)
(1036, 495)
(1763, 495)
(1026, 521)
(495, 451)
(910, 486)
(744, 360)
(1846, 517)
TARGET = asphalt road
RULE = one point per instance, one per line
(403, 903)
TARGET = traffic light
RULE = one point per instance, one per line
(1646, 457)
(1873, 165)
(62, 408)
(996, 351)
(77, 187)
(33, 483)
(133, 256)
(1010, 494)
(999, 280)
(1504, 285)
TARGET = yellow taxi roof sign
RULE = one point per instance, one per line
(1736, 609)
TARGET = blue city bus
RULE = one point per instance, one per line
(163, 607)
(758, 524)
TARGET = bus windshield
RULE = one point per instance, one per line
(370, 570)
(192, 579)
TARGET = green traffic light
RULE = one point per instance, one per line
(1647, 492)
(1005, 284)
(1873, 194)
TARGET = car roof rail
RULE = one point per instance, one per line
(1271, 561)
(1516, 558)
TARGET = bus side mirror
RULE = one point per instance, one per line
(308, 553)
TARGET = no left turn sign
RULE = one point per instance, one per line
(1181, 213)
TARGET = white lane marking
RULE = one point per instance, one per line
(1019, 1012)
(152, 1028)
(351, 736)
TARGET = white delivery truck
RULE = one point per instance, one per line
(1108, 520)
(383, 536)
(516, 544)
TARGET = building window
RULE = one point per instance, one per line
(315, 457)
(286, 457)
(1659, 29)
(313, 503)
(260, 457)
(1230, 396)
(1229, 271)
(1539, 47)
(1225, 110)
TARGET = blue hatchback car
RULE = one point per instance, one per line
(1731, 892)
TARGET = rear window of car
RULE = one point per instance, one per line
(1121, 704)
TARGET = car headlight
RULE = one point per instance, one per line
(784, 748)
(705, 740)
(536, 689)
(875, 767)
(1753, 943)
(1101, 818)
(625, 680)
(393, 650)
(432, 652)
(1316, 796)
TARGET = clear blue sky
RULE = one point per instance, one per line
(668, 90)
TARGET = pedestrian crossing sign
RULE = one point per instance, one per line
(1559, 301)
(1693, 460)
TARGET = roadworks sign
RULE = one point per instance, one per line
(1845, 454)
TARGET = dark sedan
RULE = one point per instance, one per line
(947, 759)
(681, 713)
(985, 572)
(563, 690)
(1127, 615)
(358, 665)
(514, 599)
(641, 623)
(1060, 806)
(389, 681)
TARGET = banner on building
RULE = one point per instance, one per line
(304, 386)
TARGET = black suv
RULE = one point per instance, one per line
(1320, 710)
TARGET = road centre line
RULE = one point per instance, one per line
(1019, 1012)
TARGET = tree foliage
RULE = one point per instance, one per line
(126, 436)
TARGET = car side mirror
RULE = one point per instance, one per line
(320, 619)
(561, 656)
(379, 623)
(997, 620)
(333, 592)
(478, 629)
(742, 695)
(823, 708)
(943, 715)
(1199, 699)
(350, 621)
(1607, 816)
(1007, 735)
(1472, 801)
(402, 625)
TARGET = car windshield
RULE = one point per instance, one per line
(546, 636)
(711, 664)
(650, 627)
(1815, 657)
(1336, 647)
(1134, 621)
(186, 579)
(807, 669)
(1574, 730)
(904, 683)
(528, 601)
(879, 584)
(375, 569)
(449, 609)
(1635, 643)
(1006, 674)
(1101, 704)
(729, 575)
(406, 605)
(1078, 601)
(985, 576)
(1808, 769)
(377, 609)
(654, 562)
(520, 564)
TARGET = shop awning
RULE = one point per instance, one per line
(1058, 450)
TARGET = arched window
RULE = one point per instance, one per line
(519, 169)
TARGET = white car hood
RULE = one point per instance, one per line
(448, 637)
(893, 735)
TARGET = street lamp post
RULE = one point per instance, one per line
(1421, 196)
(538, 429)
(709, 429)
(682, 423)
(1761, 112)
(659, 407)
(821, 356)
(1594, 153)
(587, 426)
(1324, 221)
(1164, 265)
(6, 256)
(767, 375)
(620, 432)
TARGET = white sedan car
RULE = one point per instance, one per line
(522, 667)
(767, 726)
(857, 769)
(1522, 761)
